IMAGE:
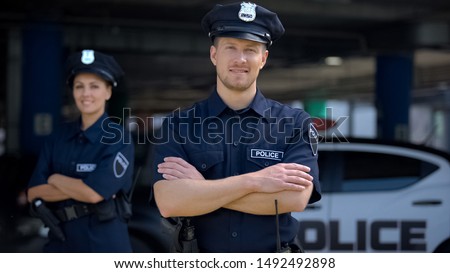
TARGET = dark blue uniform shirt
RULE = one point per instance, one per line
(221, 142)
(103, 157)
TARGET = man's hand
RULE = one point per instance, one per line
(283, 176)
(177, 168)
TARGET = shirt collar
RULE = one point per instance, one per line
(217, 106)
(260, 105)
(92, 133)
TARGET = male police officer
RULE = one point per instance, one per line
(227, 159)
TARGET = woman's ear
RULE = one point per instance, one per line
(109, 92)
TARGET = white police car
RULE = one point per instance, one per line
(379, 197)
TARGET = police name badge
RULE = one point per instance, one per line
(266, 154)
(120, 165)
(87, 56)
(313, 139)
(247, 13)
(86, 168)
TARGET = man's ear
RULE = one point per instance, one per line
(212, 54)
(264, 58)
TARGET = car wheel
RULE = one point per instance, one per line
(444, 247)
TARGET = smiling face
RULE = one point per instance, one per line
(237, 63)
(91, 93)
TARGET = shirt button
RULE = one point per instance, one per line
(236, 143)
(234, 234)
(204, 166)
(266, 163)
(236, 173)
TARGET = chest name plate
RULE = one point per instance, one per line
(86, 168)
(266, 154)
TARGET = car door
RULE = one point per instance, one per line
(386, 199)
(313, 227)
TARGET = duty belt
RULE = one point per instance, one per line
(73, 212)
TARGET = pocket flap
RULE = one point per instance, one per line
(205, 160)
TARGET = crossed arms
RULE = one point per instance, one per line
(61, 187)
(185, 192)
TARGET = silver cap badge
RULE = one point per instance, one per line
(247, 13)
(87, 56)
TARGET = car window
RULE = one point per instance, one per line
(350, 171)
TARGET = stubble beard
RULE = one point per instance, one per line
(236, 85)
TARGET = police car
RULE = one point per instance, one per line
(379, 197)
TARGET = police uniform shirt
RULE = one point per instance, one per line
(103, 157)
(221, 142)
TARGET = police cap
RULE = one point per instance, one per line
(244, 21)
(91, 61)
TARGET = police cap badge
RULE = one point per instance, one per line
(93, 62)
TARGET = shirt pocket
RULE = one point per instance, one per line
(64, 167)
(205, 161)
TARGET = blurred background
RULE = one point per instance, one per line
(376, 69)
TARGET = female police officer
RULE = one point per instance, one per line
(86, 166)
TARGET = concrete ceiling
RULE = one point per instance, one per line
(165, 53)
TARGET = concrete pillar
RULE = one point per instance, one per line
(394, 78)
(42, 84)
(13, 90)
